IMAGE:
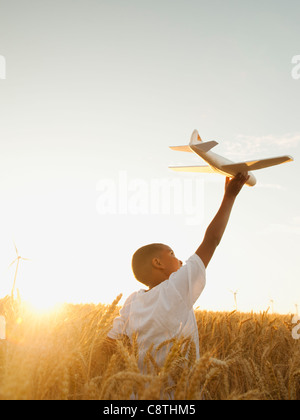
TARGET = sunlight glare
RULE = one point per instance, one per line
(43, 305)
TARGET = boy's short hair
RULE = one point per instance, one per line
(141, 260)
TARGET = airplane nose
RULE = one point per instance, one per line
(251, 181)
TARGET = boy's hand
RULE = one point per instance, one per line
(234, 185)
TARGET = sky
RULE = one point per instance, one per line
(93, 93)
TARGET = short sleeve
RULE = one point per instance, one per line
(189, 281)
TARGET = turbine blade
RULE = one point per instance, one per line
(16, 248)
(12, 263)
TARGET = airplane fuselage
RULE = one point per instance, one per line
(217, 162)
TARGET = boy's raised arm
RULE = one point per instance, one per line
(218, 225)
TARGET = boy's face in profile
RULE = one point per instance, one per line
(169, 261)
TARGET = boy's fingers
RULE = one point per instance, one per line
(240, 178)
(227, 180)
(243, 176)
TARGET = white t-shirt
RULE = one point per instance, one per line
(163, 312)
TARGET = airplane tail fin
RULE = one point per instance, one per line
(195, 138)
(196, 144)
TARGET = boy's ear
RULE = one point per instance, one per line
(156, 263)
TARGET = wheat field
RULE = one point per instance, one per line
(64, 356)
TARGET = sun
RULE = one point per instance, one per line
(41, 304)
(39, 307)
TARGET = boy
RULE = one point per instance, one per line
(165, 310)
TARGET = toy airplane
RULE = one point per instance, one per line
(221, 165)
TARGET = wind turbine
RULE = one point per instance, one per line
(235, 299)
(17, 260)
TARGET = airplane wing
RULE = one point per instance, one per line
(181, 148)
(203, 169)
(256, 164)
